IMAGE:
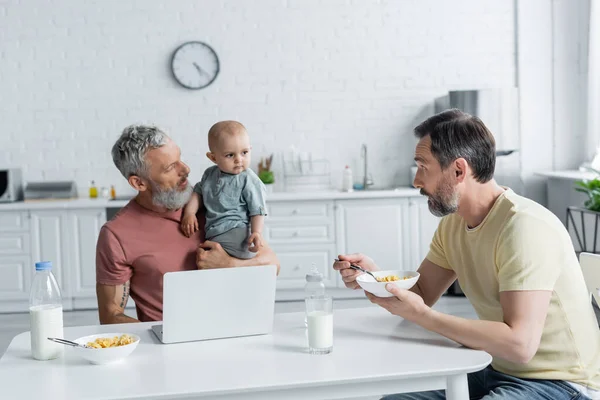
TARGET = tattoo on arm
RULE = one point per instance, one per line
(125, 296)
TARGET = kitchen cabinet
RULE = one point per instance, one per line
(393, 228)
(296, 261)
(65, 237)
(302, 235)
(50, 242)
(15, 271)
(377, 228)
(423, 225)
(15, 261)
(84, 227)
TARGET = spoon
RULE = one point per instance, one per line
(359, 268)
(69, 343)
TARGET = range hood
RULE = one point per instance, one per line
(499, 111)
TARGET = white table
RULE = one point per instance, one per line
(374, 353)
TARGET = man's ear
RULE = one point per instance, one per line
(137, 183)
(211, 157)
(461, 169)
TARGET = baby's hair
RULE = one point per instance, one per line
(222, 128)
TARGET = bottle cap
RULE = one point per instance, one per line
(43, 265)
(314, 278)
(314, 275)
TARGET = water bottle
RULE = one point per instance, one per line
(314, 285)
(45, 313)
(347, 180)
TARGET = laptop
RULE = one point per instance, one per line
(217, 303)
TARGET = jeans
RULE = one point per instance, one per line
(489, 384)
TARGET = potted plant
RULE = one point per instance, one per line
(265, 174)
(583, 223)
(592, 189)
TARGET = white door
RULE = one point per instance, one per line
(16, 268)
(84, 227)
(49, 237)
(377, 228)
(422, 227)
(15, 284)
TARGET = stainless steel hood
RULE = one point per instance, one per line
(499, 111)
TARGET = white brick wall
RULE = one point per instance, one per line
(325, 76)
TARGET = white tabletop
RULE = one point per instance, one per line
(374, 353)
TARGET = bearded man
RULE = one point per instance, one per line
(144, 240)
(514, 261)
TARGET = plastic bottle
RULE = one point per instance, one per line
(45, 313)
(347, 180)
(314, 285)
(113, 192)
(93, 190)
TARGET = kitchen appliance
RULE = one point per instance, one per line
(11, 185)
(498, 108)
(50, 190)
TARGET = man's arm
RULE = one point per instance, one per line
(211, 255)
(111, 303)
(433, 282)
(515, 339)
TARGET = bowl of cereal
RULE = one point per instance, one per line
(402, 279)
(105, 348)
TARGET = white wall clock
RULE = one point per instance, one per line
(195, 65)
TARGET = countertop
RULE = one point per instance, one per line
(83, 203)
(568, 174)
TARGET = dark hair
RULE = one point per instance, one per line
(456, 134)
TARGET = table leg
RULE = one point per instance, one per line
(457, 387)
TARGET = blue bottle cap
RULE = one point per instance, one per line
(43, 265)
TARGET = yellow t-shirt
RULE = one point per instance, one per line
(520, 245)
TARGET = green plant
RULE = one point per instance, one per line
(592, 189)
(267, 177)
(264, 170)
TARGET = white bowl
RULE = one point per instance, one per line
(105, 355)
(370, 285)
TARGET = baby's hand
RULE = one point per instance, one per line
(255, 242)
(189, 225)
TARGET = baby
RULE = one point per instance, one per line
(233, 195)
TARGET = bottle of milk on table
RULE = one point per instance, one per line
(45, 313)
(314, 286)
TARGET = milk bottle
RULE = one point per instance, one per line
(45, 313)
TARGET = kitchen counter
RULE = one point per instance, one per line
(561, 190)
(82, 203)
(568, 174)
(305, 229)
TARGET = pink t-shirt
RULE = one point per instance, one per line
(140, 246)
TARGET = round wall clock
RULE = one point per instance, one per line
(195, 65)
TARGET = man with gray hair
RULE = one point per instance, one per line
(144, 240)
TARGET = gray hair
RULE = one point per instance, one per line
(129, 151)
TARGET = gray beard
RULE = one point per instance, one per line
(441, 209)
(443, 202)
(171, 199)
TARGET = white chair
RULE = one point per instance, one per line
(590, 266)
